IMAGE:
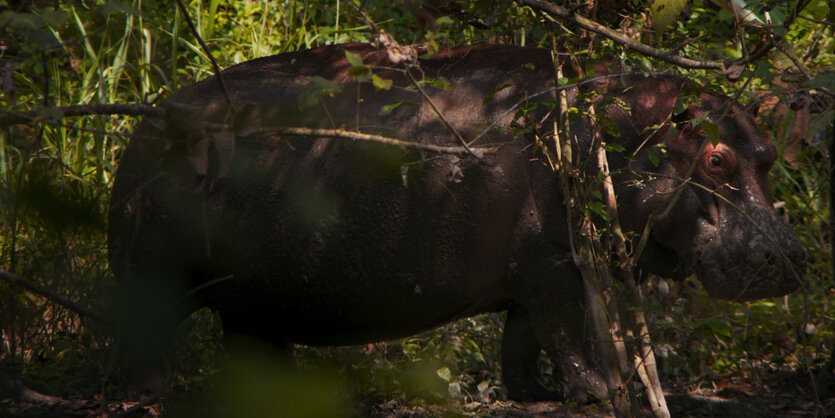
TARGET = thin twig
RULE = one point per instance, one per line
(687, 180)
(203, 286)
(822, 22)
(15, 118)
(88, 130)
(440, 114)
(208, 52)
(417, 85)
(655, 217)
(477, 152)
(794, 60)
(550, 90)
(620, 38)
(667, 56)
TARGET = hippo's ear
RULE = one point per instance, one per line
(682, 115)
(753, 108)
(682, 120)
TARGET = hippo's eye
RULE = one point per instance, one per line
(718, 163)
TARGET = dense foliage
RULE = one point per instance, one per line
(55, 174)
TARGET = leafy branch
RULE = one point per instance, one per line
(398, 53)
(729, 67)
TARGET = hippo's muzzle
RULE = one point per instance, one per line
(748, 256)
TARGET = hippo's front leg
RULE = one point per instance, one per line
(552, 294)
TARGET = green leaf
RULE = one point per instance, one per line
(117, 7)
(381, 83)
(777, 20)
(613, 130)
(599, 209)
(718, 326)
(42, 37)
(614, 147)
(54, 17)
(442, 83)
(385, 110)
(492, 94)
(653, 157)
(444, 373)
(777, 16)
(444, 20)
(360, 73)
(354, 59)
(317, 88)
(681, 105)
(20, 21)
(712, 131)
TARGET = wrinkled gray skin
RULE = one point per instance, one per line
(328, 241)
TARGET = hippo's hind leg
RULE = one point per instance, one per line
(520, 360)
(552, 293)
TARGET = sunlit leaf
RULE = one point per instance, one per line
(444, 373)
(354, 59)
(381, 83)
(385, 110)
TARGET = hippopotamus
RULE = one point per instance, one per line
(311, 236)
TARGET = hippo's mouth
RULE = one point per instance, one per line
(739, 264)
(664, 261)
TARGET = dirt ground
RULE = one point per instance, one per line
(779, 394)
(773, 394)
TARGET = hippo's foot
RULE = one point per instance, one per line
(552, 316)
(585, 395)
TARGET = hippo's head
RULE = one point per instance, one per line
(723, 226)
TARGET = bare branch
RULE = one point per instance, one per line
(163, 110)
(15, 118)
(477, 152)
(50, 295)
(440, 115)
(208, 52)
(668, 56)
